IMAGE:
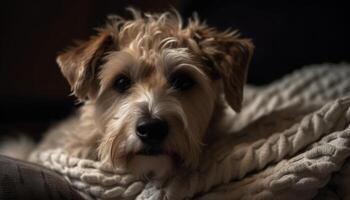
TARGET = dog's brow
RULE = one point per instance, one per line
(189, 67)
(173, 59)
(180, 59)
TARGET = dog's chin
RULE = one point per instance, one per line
(151, 166)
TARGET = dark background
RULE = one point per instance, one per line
(33, 94)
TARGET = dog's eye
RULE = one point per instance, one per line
(122, 83)
(181, 81)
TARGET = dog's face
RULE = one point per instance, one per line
(154, 85)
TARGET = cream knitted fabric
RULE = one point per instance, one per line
(290, 139)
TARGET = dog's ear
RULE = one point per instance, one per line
(79, 64)
(233, 69)
(228, 56)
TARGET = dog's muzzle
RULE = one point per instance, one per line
(152, 133)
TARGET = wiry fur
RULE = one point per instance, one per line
(150, 48)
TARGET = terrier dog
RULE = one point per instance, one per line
(153, 92)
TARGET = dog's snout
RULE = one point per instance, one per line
(152, 131)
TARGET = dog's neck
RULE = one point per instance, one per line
(220, 121)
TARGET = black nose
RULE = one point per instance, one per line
(152, 131)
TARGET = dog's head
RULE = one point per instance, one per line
(154, 84)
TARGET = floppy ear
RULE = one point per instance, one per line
(79, 64)
(233, 69)
(228, 56)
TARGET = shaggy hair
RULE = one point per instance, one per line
(149, 49)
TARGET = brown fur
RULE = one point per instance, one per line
(149, 48)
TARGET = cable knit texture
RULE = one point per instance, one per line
(291, 141)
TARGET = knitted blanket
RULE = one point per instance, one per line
(291, 140)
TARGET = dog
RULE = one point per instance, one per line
(153, 92)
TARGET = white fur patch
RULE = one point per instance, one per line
(151, 167)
